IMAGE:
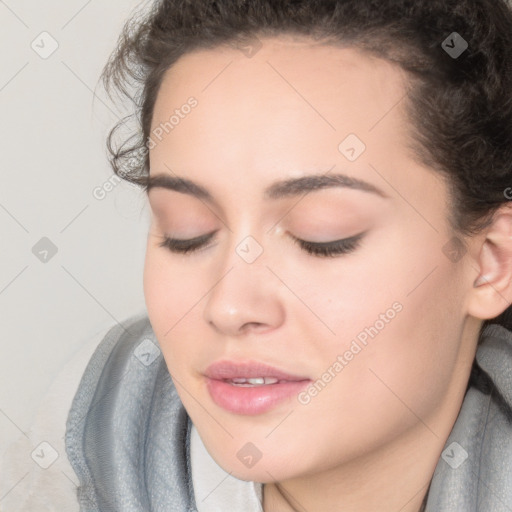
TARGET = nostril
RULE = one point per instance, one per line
(254, 326)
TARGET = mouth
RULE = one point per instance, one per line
(251, 388)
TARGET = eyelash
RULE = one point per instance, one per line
(324, 249)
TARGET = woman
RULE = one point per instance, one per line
(329, 262)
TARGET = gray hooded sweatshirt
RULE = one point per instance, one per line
(128, 434)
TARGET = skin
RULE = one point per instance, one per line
(370, 440)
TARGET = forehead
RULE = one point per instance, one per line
(284, 113)
(286, 107)
(284, 69)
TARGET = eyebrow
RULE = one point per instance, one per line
(280, 189)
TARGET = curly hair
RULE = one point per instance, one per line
(460, 107)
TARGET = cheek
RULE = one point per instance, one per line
(156, 288)
(399, 374)
(170, 293)
(398, 322)
(175, 293)
(413, 358)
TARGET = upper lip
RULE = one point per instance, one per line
(222, 370)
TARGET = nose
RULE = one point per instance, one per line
(244, 299)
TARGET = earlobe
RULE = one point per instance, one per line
(492, 292)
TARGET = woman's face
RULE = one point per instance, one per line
(292, 140)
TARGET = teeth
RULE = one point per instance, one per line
(257, 381)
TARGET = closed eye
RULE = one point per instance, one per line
(186, 246)
(319, 249)
(330, 249)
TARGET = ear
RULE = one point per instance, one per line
(492, 290)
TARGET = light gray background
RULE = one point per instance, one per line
(53, 156)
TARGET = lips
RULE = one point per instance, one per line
(227, 370)
(251, 388)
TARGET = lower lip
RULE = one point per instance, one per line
(252, 400)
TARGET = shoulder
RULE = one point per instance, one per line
(476, 463)
(132, 337)
(126, 422)
(493, 368)
(36, 472)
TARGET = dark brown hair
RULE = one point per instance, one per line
(460, 106)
